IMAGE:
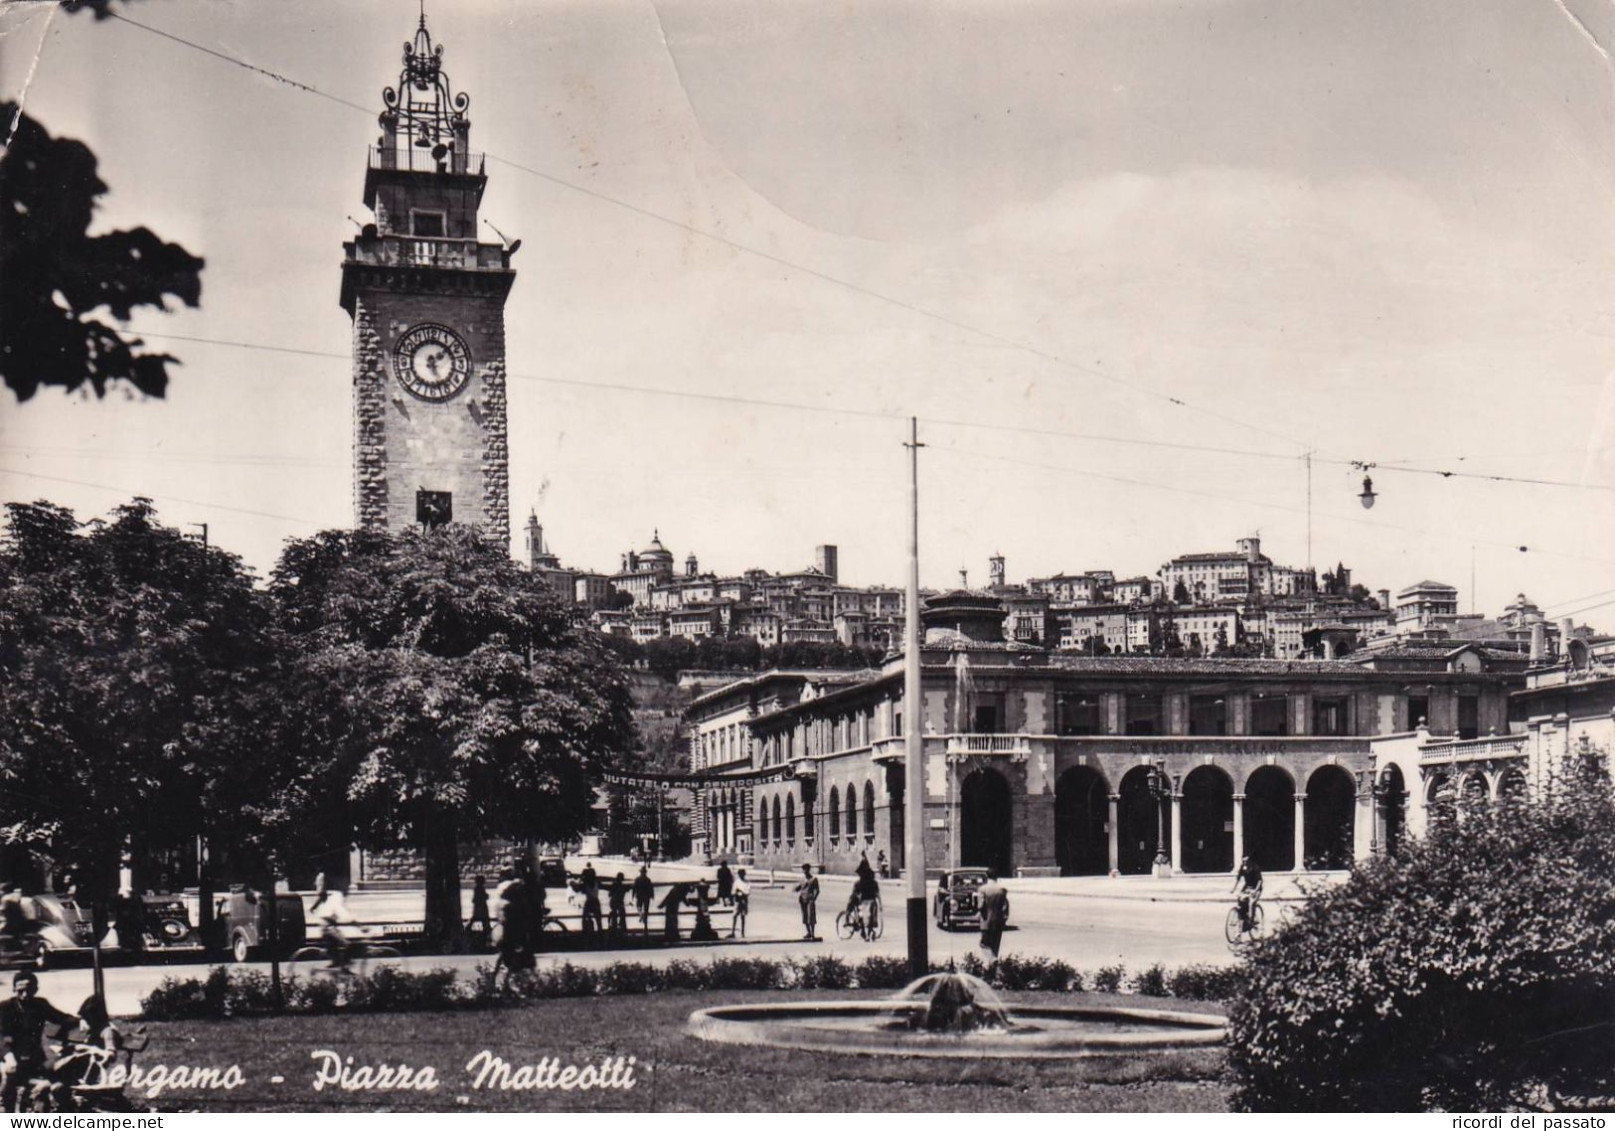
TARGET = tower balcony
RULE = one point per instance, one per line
(414, 159)
(427, 251)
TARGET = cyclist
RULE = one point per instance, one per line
(331, 912)
(865, 896)
(1248, 886)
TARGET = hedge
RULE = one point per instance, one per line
(228, 991)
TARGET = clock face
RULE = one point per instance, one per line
(432, 362)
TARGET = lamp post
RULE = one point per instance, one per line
(1161, 792)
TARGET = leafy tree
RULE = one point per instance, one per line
(1180, 594)
(1220, 641)
(55, 276)
(1470, 972)
(132, 663)
(466, 699)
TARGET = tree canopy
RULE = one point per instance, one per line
(55, 277)
(469, 700)
(131, 658)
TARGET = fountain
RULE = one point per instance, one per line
(955, 1015)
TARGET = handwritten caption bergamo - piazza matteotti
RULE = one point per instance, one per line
(485, 1071)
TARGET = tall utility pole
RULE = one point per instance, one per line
(1309, 508)
(919, 959)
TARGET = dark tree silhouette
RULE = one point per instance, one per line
(55, 277)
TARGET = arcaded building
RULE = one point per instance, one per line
(1042, 763)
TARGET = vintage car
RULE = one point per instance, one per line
(63, 928)
(242, 920)
(552, 872)
(956, 903)
(168, 924)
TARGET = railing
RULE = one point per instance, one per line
(888, 750)
(1014, 746)
(1473, 749)
(414, 159)
(423, 251)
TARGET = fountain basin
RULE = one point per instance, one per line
(892, 1027)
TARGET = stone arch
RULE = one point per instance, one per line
(1081, 810)
(1474, 791)
(1140, 821)
(1511, 786)
(1270, 818)
(1208, 821)
(869, 808)
(986, 822)
(1390, 807)
(1329, 816)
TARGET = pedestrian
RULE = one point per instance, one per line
(129, 920)
(589, 885)
(883, 865)
(703, 931)
(994, 902)
(644, 893)
(726, 884)
(617, 906)
(742, 897)
(480, 924)
(807, 896)
(670, 906)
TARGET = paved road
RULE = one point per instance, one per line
(1089, 924)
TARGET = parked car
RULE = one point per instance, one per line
(243, 922)
(168, 924)
(552, 872)
(957, 903)
(64, 926)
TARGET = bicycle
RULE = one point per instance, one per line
(870, 924)
(1238, 931)
(322, 960)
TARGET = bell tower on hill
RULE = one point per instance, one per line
(427, 300)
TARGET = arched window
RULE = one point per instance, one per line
(762, 821)
(790, 819)
(869, 808)
(852, 810)
(808, 831)
(835, 813)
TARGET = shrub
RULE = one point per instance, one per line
(175, 999)
(745, 974)
(682, 974)
(386, 988)
(567, 980)
(1018, 973)
(630, 978)
(823, 973)
(1152, 982)
(880, 973)
(1207, 983)
(1471, 973)
(1108, 979)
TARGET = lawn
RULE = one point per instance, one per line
(671, 1071)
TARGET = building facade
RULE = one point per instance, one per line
(1042, 763)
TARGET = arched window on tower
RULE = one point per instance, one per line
(790, 819)
(869, 808)
(835, 813)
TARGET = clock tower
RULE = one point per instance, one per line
(427, 301)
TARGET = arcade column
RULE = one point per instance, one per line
(1300, 832)
(1239, 829)
(1114, 825)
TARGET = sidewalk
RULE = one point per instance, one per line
(1280, 886)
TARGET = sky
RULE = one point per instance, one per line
(1126, 261)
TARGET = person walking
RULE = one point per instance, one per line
(589, 885)
(671, 902)
(742, 896)
(726, 884)
(807, 896)
(480, 924)
(644, 893)
(994, 914)
(617, 906)
(703, 931)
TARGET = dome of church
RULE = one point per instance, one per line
(656, 551)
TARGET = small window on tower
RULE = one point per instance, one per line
(426, 223)
(434, 508)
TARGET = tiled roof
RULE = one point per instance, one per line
(1220, 556)
(1167, 665)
